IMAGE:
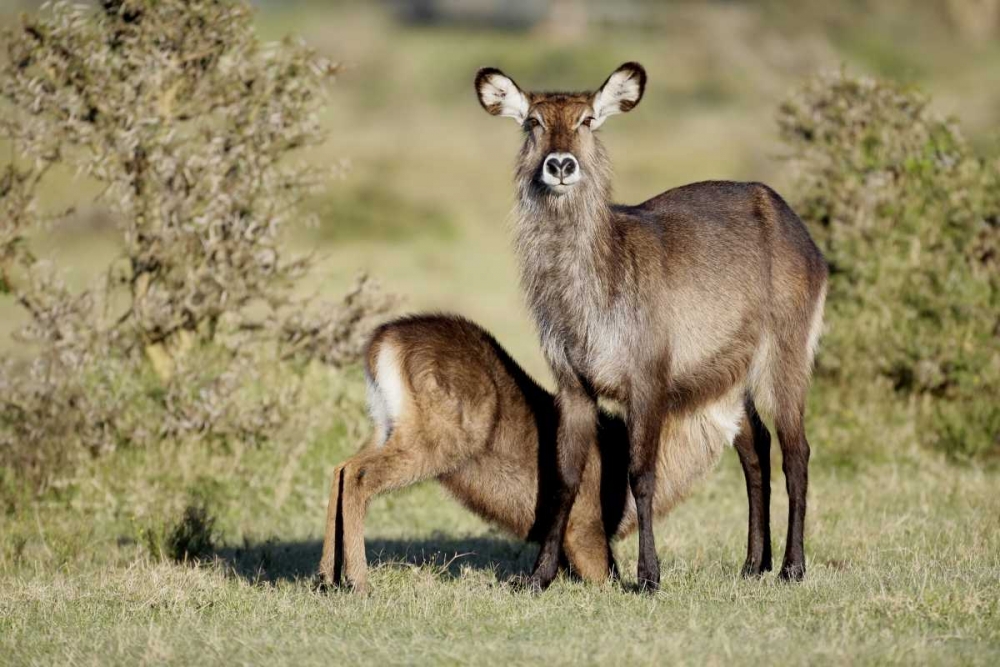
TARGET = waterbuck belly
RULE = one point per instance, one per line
(691, 445)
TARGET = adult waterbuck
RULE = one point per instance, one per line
(449, 403)
(698, 301)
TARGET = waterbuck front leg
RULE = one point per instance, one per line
(646, 413)
(575, 436)
(753, 444)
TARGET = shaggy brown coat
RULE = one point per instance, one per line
(689, 304)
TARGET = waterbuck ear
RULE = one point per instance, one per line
(500, 96)
(620, 93)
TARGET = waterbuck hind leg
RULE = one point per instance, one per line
(576, 436)
(753, 444)
(795, 464)
(789, 383)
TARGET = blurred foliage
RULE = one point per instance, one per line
(373, 211)
(191, 537)
(194, 536)
(193, 128)
(193, 131)
(909, 219)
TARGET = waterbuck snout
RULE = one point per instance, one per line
(561, 171)
(559, 148)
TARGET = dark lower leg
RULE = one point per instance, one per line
(645, 424)
(564, 563)
(549, 557)
(576, 434)
(753, 444)
(643, 487)
(795, 463)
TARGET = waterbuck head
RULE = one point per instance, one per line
(561, 155)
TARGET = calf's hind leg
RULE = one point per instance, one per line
(588, 550)
(371, 471)
(331, 564)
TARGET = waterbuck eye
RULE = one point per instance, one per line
(531, 123)
(587, 121)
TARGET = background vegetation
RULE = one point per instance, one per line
(121, 470)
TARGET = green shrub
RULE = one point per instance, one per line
(192, 537)
(909, 219)
(193, 130)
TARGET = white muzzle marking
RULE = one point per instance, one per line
(560, 171)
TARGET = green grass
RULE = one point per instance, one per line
(904, 567)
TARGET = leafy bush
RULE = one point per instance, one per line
(192, 128)
(194, 536)
(909, 219)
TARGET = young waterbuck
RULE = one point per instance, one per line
(449, 403)
(690, 303)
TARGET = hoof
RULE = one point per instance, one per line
(755, 569)
(520, 583)
(543, 576)
(325, 584)
(537, 584)
(647, 586)
(648, 579)
(792, 572)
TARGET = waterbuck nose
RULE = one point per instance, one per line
(560, 166)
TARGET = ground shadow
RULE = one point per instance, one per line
(280, 560)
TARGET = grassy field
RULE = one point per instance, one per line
(904, 561)
(903, 546)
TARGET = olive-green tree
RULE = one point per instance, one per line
(908, 216)
(193, 129)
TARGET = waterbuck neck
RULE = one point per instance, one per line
(573, 230)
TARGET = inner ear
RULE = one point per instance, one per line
(620, 93)
(500, 96)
